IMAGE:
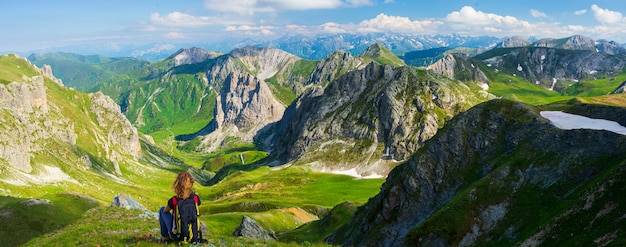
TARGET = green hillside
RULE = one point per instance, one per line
(86, 73)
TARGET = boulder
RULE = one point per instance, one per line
(124, 201)
(251, 229)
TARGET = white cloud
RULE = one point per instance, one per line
(385, 23)
(580, 12)
(468, 18)
(175, 35)
(156, 49)
(537, 14)
(605, 15)
(252, 30)
(178, 19)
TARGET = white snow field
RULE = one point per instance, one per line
(569, 121)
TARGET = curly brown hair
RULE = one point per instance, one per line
(183, 184)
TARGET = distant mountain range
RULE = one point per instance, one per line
(307, 47)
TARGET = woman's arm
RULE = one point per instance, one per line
(167, 209)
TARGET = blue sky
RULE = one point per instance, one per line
(39, 24)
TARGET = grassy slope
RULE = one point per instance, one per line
(506, 85)
(264, 194)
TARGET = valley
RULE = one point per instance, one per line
(355, 148)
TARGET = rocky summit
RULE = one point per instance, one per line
(370, 117)
(499, 174)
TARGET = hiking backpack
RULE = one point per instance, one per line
(186, 221)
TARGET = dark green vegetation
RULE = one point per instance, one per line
(423, 58)
(86, 73)
(509, 177)
(23, 221)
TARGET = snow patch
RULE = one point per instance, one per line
(569, 121)
(48, 175)
(353, 173)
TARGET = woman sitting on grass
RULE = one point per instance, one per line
(182, 186)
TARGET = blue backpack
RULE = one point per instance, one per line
(186, 221)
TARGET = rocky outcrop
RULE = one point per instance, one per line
(515, 41)
(610, 47)
(191, 56)
(119, 129)
(332, 67)
(251, 229)
(481, 168)
(459, 66)
(46, 70)
(127, 202)
(546, 66)
(366, 114)
(28, 120)
(263, 63)
(245, 105)
(47, 129)
(576, 42)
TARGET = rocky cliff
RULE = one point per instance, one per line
(499, 174)
(576, 42)
(553, 68)
(459, 66)
(368, 118)
(515, 41)
(42, 119)
(191, 56)
(244, 106)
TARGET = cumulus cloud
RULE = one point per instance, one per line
(384, 23)
(580, 12)
(537, 14)
(468, 17)
(605, 15)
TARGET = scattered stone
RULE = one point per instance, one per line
(6, 212)
(35, 201)
(124, 201)
(251, 229)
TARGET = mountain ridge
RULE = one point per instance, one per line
(428, 201)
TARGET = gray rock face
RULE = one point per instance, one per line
(544, 65)
(515, 41)
(459, 66)
(474, 143)
(378, 106)
(37, 124)
(125, 201)
(245, 105)
(251, 229)
(119, 130)
(191, 56)
(610, 47)
(32, 119)
(332, 67)
(576, 42)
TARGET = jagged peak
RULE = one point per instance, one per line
(191, 55)
(255, 51)
(515, 41)
(576, 42)
(382, 55)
